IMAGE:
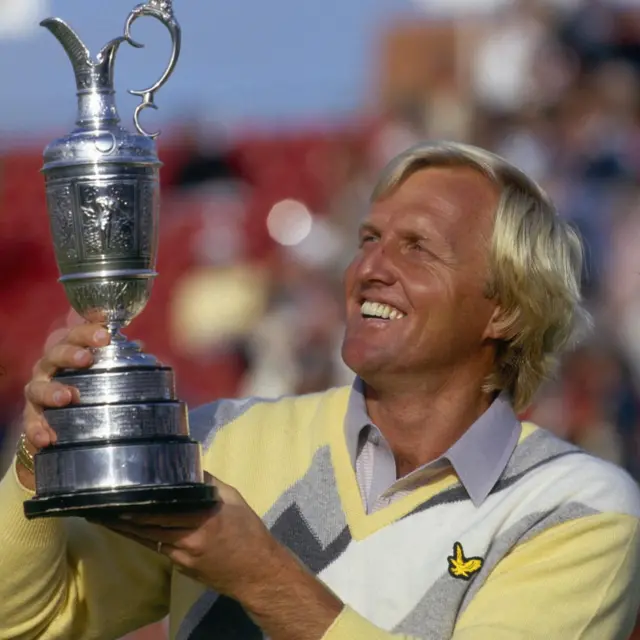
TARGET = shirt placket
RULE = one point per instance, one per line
(377, 470)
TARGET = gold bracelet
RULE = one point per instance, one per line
(23, 454)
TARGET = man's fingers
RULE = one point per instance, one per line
(168, 521)
(88, 335)
(181, 559)
(145, 542)
(74, 319)
(38, 433)
(62, 356)
(39, 395)
(49, 394)
(165, 535)
(54, 338)
(84, 336)
(73, 351)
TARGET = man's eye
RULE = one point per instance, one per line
(367, 239)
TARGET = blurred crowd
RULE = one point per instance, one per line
(569, 115)
(257, 228)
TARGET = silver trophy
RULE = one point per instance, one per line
(126, 444)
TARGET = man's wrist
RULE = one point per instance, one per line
(289, 603)
(23, 455)
(25, 469)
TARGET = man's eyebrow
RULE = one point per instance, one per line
(439, 245)
(368, 227)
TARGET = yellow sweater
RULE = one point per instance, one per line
(552, 553)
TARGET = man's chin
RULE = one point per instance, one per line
(366, 363)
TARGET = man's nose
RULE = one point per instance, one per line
(377, 266)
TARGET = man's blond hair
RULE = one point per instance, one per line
(535, 266)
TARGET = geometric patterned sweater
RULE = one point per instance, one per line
(553, 552)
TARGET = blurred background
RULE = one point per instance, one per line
(275, 125)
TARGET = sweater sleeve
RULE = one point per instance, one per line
(66, 578)
(350, 625)
(576, 581)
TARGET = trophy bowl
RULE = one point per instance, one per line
(125, 445)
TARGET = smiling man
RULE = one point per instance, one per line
(413, 504)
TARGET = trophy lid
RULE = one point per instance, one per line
(100, 145)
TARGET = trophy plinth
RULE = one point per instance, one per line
(125, 445)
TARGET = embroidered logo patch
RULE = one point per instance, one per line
(461, 567)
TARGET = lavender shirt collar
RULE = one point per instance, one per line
(479, 457)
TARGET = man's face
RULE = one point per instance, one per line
(424, 257)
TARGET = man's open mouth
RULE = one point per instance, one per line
(380, 310)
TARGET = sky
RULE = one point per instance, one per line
(259, 63)
(275, 62)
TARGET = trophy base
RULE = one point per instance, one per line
(124, 447)
(108, 504)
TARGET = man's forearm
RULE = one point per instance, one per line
(291, 603)
(31, 565)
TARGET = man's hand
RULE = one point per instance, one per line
(229, 549)
(72, 351)
(188, 541)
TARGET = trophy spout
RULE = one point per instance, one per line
(75, 49)
(94, 80)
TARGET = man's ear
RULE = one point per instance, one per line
(500, 325)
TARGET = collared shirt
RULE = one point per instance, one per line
(478, 457)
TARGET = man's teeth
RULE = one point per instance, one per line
(380, 311)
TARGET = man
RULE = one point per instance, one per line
(413, 505)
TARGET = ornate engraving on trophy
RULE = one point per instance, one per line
(108, 219)
(108, 300)
(60, 202)
(148, 211)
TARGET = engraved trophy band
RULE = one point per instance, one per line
(125, 445)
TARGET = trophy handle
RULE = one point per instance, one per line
(162, 10)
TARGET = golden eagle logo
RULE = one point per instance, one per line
(461, 567)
